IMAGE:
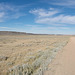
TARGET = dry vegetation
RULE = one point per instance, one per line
(28, 54)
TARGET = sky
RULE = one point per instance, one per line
(38, 16)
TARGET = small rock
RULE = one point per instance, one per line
(3, 58)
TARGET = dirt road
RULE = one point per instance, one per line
(64, 63)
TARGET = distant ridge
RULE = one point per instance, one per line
(19, 33)
(24, 33)
(12, 33)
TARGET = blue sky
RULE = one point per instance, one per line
(38, 16)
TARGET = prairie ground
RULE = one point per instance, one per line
(28, 54)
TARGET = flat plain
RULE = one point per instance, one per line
(28, 54)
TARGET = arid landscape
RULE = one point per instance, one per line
(28, 54)
(37, 37)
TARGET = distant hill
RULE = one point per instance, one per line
(19, 33)
(23, 33)
(12, 33)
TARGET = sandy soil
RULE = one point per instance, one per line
(22, 49)
(64, 63)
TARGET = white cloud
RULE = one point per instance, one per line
(8, 11)
(6, 7)
(11, 7)
(7, 28)
(64, 28)
(52, 17)
(17, 15)
(43, 13)
(4, 27)
(60, 19)
(2, 14)
(66, 3)
(46, 27)
(58, 27)
(51, 8)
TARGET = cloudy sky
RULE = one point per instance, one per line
(38, 16)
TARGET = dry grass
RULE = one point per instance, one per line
(28, 54)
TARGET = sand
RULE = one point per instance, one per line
(64, 62)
